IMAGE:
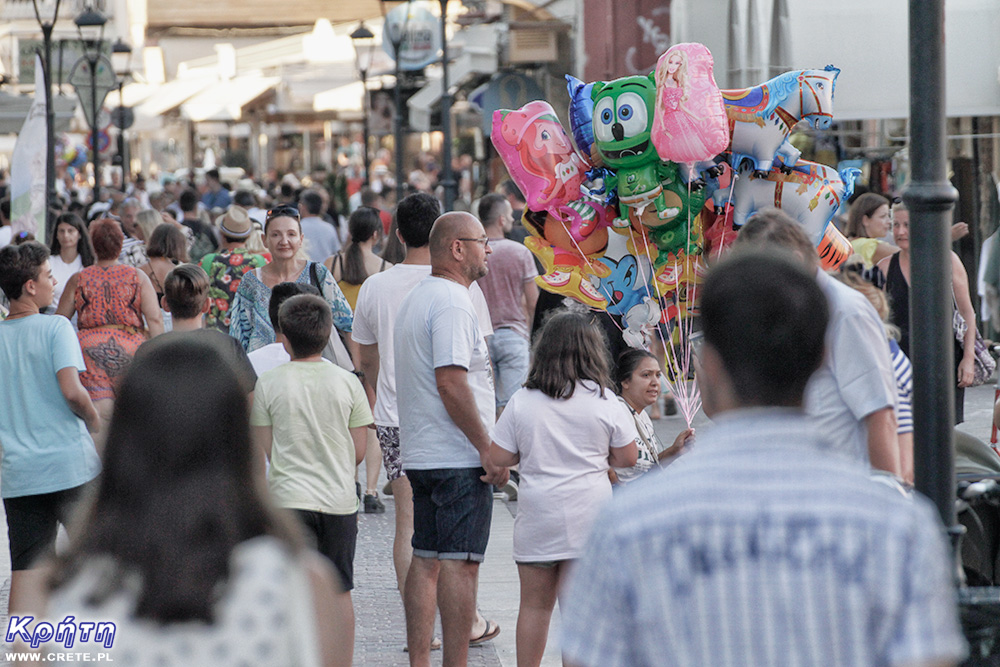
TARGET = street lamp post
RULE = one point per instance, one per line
(121, 60)
(50, 113)
(92, 56)
(396, 38)
(363, 40)
(447, 176)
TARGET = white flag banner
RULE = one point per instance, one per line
(27, 167)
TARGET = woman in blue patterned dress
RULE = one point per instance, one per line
(250, 323)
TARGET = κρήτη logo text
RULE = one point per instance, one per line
(67, 632)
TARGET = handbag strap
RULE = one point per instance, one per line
(314, 276)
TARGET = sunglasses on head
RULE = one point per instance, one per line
(283, 211)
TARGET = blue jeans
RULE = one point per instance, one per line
(452, 512)
(509, 355)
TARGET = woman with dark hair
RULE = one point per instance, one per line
(637, 381)
(179, 549)
(111, 300)
(564, 428)
(71, 250)
(165, 248)
(249, 321)
(868, 222)
(352, 265)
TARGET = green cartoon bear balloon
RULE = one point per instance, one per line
(650, 190)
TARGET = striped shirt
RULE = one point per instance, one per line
(762, 547)
(903, 371)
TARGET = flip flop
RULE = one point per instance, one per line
(491, 631)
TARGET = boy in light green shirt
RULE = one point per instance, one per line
(310, 417)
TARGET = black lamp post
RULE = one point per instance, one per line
(396, 38)
(50, 113)
(364, 40)
(447, 177)
(121, 60)
(91, 18)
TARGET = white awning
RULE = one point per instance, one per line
(166, 98)
(346, 98)
(224, 100)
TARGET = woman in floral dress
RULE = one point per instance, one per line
(111, 301)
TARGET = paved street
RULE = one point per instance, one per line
(380, 628)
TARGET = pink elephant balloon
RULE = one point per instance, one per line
(689, 120)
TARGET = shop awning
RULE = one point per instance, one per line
(346, 98)
(166, 98)
(224, 100)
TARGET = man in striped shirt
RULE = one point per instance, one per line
(762, 546)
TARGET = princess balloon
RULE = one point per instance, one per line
(689, 120)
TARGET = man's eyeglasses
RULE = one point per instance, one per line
(283, 211)
(484, 240)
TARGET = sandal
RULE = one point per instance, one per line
(491, 631)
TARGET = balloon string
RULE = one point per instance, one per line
(692, 395)
(687, 397)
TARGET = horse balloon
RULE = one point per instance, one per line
(762, 117)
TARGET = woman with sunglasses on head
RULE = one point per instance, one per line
(249, 320)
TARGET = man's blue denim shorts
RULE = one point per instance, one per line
(452, 512)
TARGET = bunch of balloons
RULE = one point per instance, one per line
(619, 214)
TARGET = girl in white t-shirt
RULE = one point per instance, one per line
(564, 428)
(71, 250)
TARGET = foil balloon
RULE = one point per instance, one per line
(627, 286)
(810, 193)
(650, 192)
(833, 249)
(763, 116)
(539, 156)
(567, 264)
(689, 120)
(574, 285)
(581, 114)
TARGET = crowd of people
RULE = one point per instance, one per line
(198, 375)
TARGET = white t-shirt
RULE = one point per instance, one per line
(379, 300)
(268, 357)
(62, 273)
(564, 446)
(311, 407)
(437, 327)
